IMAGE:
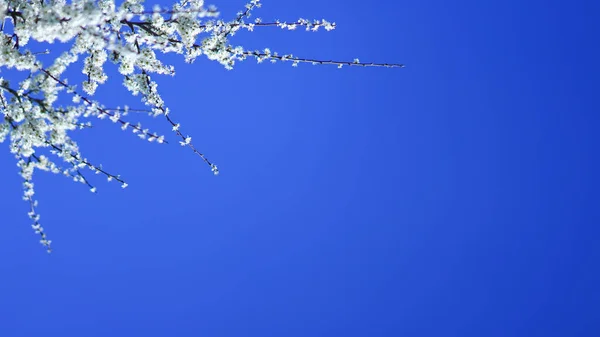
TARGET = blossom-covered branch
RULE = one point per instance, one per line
(97, 32)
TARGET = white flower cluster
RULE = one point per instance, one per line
(97, 31)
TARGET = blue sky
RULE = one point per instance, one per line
(455, 197)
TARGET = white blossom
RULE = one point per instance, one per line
(94, 32)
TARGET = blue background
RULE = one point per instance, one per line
(455, 197)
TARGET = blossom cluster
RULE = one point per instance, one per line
(97, 32)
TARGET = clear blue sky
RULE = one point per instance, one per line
(455, 197)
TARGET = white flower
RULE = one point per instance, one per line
(186, 141)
